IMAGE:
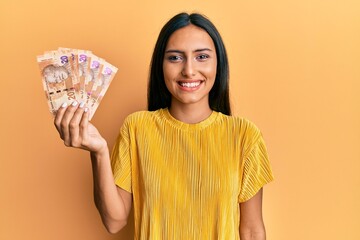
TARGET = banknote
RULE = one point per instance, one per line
(74, 68)
(70, 75)
(57, 82)
(101, 85)
(84, 60)
(96, 65)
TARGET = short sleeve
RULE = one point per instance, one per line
(256, 170)
(121, 159)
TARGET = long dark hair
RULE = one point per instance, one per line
(158, 94)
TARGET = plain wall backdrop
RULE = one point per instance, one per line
(294, 72)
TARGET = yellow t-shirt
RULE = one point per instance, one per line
(187, 180)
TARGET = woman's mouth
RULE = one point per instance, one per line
(193, 84)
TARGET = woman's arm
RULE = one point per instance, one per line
(251, 221)
(113, 203)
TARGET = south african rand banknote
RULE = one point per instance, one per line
(84, 60)
(96, 66)
(57, 79)
(74, 68)
(70, 75)
(101, 85)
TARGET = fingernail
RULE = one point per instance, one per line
(86, 110)
(64, 105)
(82, 104)
(74, 103)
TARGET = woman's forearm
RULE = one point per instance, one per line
(112, 206)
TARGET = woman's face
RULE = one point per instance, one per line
(190, 66)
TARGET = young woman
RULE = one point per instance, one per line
(190, 170)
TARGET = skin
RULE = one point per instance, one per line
(190, 58)
(251, 220)
(112, 202)
(189, 71)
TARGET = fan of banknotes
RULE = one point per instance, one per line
(70, 75)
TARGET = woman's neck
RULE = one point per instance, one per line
(190, 113)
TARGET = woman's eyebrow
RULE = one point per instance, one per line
(203, 49)
(182, 52)
(173, 51)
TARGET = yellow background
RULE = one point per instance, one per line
(295, 72)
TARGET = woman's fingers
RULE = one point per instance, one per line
(83, 130)
(72, 123)
(58, 119)
(74, 127)
(65, 123)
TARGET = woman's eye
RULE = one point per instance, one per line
(202, 57)
(174, 58)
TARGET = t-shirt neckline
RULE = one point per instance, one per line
(188, 126)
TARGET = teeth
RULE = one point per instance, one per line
(190, 85)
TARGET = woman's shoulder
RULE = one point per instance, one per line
(141, 116)
(240, 121)
(240, 124)
(244, 131)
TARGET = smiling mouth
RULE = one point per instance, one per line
(190, 84)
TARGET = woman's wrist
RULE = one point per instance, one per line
(101, 153)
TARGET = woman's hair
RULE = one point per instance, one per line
(158, 94)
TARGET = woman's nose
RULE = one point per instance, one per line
(188, 69)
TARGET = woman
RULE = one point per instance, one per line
(190, 169)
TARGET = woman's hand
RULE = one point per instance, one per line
(75, 129)
(113, 203)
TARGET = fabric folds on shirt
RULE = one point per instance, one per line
(187, 180)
